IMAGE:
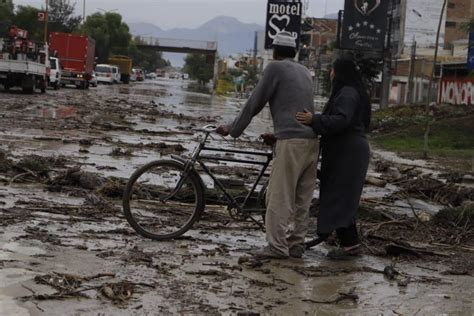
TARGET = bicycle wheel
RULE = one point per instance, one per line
(157, 205)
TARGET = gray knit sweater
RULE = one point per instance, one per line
(288, 88)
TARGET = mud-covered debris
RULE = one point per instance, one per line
(350, 295)
(85, 142)
(251, 262)
(60, 281)
(390, 272)
(100, 204)
(112, 188)
(138, 256)
(426, 187)
(211, 272)
(119, 152)
(462, 216)
(119, 292)
(5, 162)
(76, 177)
(370, 180)
(40, 165)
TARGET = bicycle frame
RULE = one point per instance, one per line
(197, 157)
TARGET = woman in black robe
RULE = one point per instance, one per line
(345, 155)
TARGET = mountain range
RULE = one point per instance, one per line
(232, 35)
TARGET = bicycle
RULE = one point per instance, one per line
(164, 198)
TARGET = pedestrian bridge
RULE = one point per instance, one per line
(179, 45)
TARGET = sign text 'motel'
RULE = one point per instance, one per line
(282, 16)
(364, 25)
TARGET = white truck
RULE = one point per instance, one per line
(54, 78)
(22, 62)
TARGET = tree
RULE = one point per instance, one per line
(468, 27)
(112, 36)
(61, 16)
(6, 16)
(26, 17)
(198, 68)
(148, 59)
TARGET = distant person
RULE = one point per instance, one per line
(345, 155)
(287, 86)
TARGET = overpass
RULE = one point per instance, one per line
(171, 45)
(179, 45)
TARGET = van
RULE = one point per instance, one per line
(104, 73)
(116, 72)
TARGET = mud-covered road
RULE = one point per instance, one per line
(66, 249)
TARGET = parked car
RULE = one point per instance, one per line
(151, 75)
(116, 72)
(140, 75)
(104, 73)
(133, 75)
(54, 73)
(93, 80)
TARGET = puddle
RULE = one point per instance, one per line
(14, 250)
(9, 306)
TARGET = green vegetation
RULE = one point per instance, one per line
(111, 34)
(224, 87)
(401, 129)
(199, 67)
(6, 15)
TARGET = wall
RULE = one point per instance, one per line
(421, 22)
(456, 90)
(458, 12)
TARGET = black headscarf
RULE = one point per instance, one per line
(347, 74)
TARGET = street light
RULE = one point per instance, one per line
(107, 11)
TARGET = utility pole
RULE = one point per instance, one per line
(430, 84)
(387, 67)
(46, 18)
(411, 76)
(83, 11)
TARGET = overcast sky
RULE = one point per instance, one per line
(189, 13)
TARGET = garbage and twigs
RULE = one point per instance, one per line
(72, 286)
(341, 296)
(426, 187)
(118, 292)
(67, 286)
(252, 262)
(120, 152)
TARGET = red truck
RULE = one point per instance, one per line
(76, 54)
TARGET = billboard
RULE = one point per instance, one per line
(364, 25)
(282, 16)
(421, 23)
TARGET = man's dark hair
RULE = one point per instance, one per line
(284, 51)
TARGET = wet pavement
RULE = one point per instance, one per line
(81, 233)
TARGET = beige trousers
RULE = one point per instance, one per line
(290, 192)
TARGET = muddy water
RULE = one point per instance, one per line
(69, 242)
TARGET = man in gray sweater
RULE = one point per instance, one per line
(287, 86)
